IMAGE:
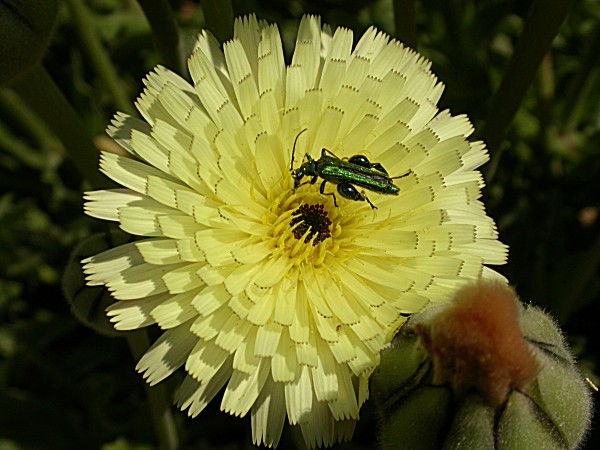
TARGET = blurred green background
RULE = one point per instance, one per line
(63, 386)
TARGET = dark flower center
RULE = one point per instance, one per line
(311, 218)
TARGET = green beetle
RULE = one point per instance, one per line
(356, 171)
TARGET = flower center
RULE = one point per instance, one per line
(309, 221)
(304, 226)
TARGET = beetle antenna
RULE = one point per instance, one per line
(294, 149)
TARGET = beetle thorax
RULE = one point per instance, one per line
(307, 169)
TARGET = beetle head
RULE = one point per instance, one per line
(307, 169)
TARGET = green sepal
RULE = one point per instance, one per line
(419, 421)
(522, 426)
(401, 369)
(558, 389)
(472, 427)
(540, 329)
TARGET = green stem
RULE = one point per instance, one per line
(165, 32)
(218, 17)
(541, 27)
(40, 93)
(98, 56)
(160, 408)
(406, 22)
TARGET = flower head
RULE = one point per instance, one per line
(285, 295)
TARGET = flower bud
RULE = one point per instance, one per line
(25, 30)
(481, 372)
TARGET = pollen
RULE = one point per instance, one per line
(310, 221)
(305, 229)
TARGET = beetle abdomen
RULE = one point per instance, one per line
(359, 176)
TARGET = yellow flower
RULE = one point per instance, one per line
(276, 293)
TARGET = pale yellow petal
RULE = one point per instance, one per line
(177, 226)
(245, 359)
(295, 87)
(269, 163)
(267, 340)
(128, 172)
(180, 104)
(210, 47)
(371, 43)
(183, 278)
(299, 397)
(247, 30)
(264, 303)
(307, 50)
(159, 251)
(100, 267)
(300, 326)
(345, 406)
(205, 360)
(243, 390)
(105, 204)
(138, 281)
(310, 108)
(306, 352)
(325, 380)
(149, 103)
(175, 310)
(142, 217)
(213, 94)
(269, 112)
(335, 63)
(134, 314)
(284, 365)
(232, 333)
(120, 130)
(167, 354)
(286, 294)
(271, 64)
(343, 350)
(209, 299)
(242, 77)
(268, 415)
(208, 327)
(195, 396)
(318, 427)
(328, 133)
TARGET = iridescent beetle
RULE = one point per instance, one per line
(356, 171)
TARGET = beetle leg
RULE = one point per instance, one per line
(379, 167)
(325, 151)
(322, 191)
(361, 160)
(350, 192)
(300, 184)
(369, 202)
